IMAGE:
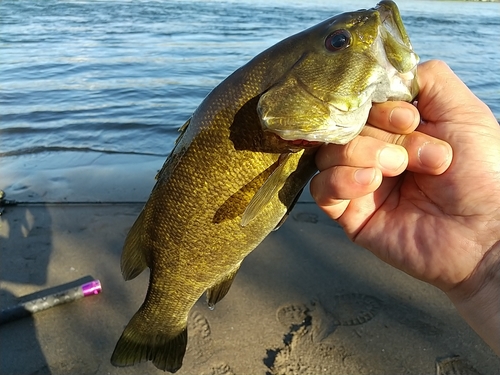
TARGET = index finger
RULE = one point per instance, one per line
(394, 117)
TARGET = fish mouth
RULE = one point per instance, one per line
(302, 143)
(391, 19)
(296, 144)
(398, 57)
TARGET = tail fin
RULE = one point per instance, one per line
(137, 344)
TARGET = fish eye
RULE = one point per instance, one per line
(338, 40)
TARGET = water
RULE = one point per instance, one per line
(122, 76)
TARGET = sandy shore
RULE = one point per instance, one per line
(307, 301)
(79, 177)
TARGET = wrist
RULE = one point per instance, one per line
(478, 299)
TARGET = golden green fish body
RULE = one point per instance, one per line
(230, 180)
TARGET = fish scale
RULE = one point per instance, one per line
(232, 178)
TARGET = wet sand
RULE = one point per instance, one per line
(306, 301)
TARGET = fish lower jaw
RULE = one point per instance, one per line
(303, 143)
(341, 135)
(339, 128)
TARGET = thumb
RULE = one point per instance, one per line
(444, 98)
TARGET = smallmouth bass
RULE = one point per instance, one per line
(242, 160)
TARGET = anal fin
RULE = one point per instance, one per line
(219, 291)
(133, 260)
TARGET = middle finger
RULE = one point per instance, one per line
(364, 152)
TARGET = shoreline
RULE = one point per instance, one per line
(78, 177)
(82, 177)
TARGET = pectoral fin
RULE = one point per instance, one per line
(219, 291)
(283, 219)
(266, 192)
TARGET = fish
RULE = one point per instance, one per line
(242, 160)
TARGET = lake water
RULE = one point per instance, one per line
(121, 76)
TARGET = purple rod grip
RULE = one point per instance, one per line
(91, 288)
(43, 303)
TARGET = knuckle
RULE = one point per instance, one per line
(349, 151)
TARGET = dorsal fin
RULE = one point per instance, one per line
(182, 129)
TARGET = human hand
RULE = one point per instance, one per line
(425, 209)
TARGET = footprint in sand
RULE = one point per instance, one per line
(200, 342)
(219, 369)
(342, 310)
(293, 314)
(308, 325)
(200, 325)
(301, 356)
(454, 365)
(354, 309)
(199, 336)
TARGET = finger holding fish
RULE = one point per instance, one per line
(372, 148)
(394, 117)
(390, 144)
(344, 183)
(426, 154)
(386, 148)
(397, 123)
(364, 152)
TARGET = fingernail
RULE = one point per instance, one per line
(433, 155)
(364, 176)
(402, 117)
(391, 158)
